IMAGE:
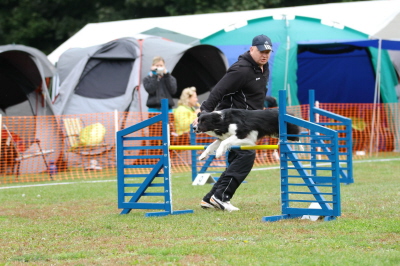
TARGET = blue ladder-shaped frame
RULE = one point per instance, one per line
(130, 200)
(345, 142)
(306, 178)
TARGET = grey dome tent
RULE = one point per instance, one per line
(25, 97)
(87, 75)
(107, 77)
(23, 70)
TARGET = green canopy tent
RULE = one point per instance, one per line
(287, 33)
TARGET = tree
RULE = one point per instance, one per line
(45, 24)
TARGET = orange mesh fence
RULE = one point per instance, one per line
(42, 148)
(375, 128)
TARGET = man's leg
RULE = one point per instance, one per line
(207, 197)
(240, 164)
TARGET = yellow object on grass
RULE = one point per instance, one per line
(92, 134)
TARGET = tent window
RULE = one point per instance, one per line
(103, 79)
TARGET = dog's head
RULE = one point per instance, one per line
(207, 122)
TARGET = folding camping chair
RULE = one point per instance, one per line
(11, 148)
(73, 128)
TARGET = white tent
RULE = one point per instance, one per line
(391, 30)
(370, 17)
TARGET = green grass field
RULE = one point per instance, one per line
(78, 223)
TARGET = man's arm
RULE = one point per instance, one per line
(230, 83)
(150, 84)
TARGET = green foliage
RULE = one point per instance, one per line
(45, 24)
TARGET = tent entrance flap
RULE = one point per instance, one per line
(337, 73)
(201, 66)
(17, 82)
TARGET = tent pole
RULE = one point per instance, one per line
(140, 79)
(287, 61)
(285, 84)
(115, 125)
(378, 118)
(376, 98)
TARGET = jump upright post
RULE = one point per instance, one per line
(154, 181)
(303, 186)
(343, 126)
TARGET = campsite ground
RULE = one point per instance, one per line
(78, 223)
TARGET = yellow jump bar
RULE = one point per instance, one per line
(198, 147)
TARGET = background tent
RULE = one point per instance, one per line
(23, 71)
(86, 76)
(368, 17)
(171, 35)
(104, 78)
(24, 96)
(286, 33)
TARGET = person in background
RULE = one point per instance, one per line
(187, 110)
(159, 84)
(244, 86)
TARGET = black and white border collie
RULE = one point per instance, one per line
(238, 127)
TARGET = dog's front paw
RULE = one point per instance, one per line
(203, 156)
(219, 153)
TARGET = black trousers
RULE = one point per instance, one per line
(240, 164)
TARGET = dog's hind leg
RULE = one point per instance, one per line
(210, 149)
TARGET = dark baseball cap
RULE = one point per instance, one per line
(262, 42)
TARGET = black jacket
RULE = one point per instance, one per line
(243, 87)
(160, 88)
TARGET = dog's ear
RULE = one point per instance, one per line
(216, 117)
(201, 113)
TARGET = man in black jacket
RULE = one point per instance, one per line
(244, 86)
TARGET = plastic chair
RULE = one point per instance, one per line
(73, 128)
